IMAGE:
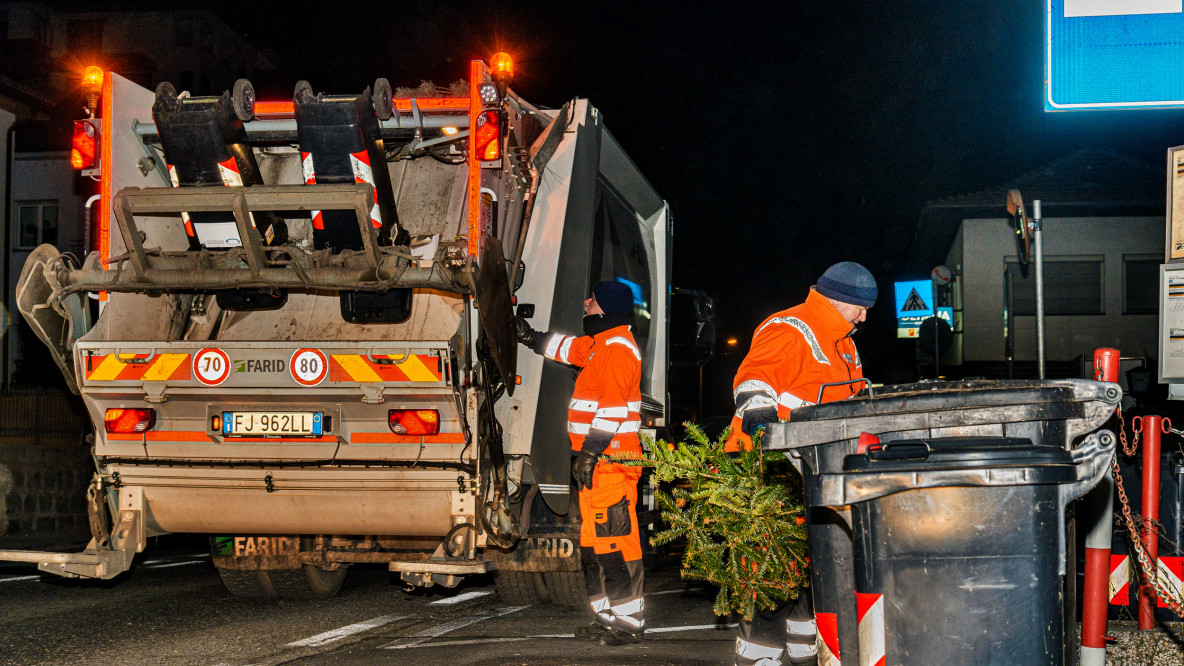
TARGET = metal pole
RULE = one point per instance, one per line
(1096, 513)
(1009, 322)
(1151, 430)
(1036, 233)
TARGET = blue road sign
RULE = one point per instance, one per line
(909, 327)
(914, 299)
(1113, 54)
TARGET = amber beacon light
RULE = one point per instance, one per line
(92, 85)
(501, 70)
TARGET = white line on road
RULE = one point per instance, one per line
(440, 630)
(172, 564)
(694, 627)
(461, 597)
(509, 639)
(678, 591)
(347, 630)
(16, 578)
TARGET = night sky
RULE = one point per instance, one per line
(786, 136)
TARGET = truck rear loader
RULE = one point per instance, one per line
(295, 332)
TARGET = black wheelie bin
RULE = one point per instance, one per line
(819, 438)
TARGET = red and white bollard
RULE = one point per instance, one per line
(1152, 427)
(1096, 512)
(872, 641)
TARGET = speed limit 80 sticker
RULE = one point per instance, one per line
(309, 367)
(211, 366)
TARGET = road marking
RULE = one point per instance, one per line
(347, 630)
(440, 630)
(16, 578)
(461, 597)
(175, 559)
(694, 627)
(509, 639)
(678, 591)
(172, 564)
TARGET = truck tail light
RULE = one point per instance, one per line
(129, 420)
(414, 421)
(84, 147)
(487, 141)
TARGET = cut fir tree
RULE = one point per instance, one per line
(742, 517)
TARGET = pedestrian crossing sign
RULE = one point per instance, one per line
(914, 299)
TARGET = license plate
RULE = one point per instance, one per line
(271, 424)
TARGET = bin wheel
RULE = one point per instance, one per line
(382, 98)
(166, 94)
(243, 99)
(308, 581)
(567, 589)
(521, 588)
(303, 92)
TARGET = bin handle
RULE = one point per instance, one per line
(862, 380)
(1092, 459)
(883, 451)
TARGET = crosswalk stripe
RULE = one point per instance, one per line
(347, 630)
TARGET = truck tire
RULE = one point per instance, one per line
(302, 583)
(521, 588)
(567, 589)
(307, 582)
(249, 584)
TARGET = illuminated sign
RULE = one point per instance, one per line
(1113, 54)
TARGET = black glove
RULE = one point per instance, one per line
(755, 418)
(583, 468)
(526, 335)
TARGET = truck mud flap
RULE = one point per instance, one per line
(555, 551)
(255, 552)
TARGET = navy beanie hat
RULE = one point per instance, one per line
(847, 282)
(613, 297)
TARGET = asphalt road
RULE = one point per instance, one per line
(172, 608)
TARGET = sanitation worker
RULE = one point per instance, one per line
(793, 354)
(603, 419)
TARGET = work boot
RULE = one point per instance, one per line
(591, 632)
(614, 637)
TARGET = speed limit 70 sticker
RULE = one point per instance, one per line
(309, 366)
(211, 366)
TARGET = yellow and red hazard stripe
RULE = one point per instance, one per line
(402, 368)
(132, 367)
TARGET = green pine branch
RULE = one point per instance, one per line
(743, 519)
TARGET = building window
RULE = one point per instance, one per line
(1140, 283)
(1073, 285)
(38, 223)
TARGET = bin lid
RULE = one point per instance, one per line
(915, 455)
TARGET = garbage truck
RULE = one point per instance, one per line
(295, 330)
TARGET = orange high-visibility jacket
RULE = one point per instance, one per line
(607, 395)
(794, 353)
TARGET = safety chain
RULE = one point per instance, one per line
(1167, 593)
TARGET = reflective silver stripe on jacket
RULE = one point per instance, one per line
(791, 401)
(806, 333)
(582, 405)
(606, 426)
(765, 396)
(624, 341)
(754, 651)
